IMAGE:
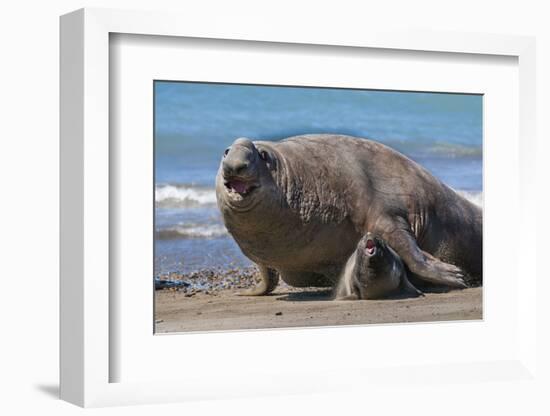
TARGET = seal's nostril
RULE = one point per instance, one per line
(230, 168)
(240, 168)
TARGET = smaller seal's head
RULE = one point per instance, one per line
(244, 171)
(374, 258)
(378, 268)
(371, 246)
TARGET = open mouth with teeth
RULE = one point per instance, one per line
(370, 248)
(240, 186)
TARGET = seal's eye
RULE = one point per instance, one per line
(226, 152)
(263, 155)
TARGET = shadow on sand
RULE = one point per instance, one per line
(327, 295)
(307, 296)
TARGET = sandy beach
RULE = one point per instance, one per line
(220, 310)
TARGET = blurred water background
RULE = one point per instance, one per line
(195, 122)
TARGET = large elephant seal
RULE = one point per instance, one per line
(374, 271)
(299, 206)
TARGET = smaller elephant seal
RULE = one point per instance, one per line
(374, 271)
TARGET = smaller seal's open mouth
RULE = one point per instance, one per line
(370, 250)
(239, 186)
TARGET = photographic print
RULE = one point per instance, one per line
(289, 206)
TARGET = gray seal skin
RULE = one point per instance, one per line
(299, 207)
(374, 271)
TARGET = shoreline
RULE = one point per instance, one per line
(288, 307)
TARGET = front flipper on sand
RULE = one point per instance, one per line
(269, 279)
(408, 288)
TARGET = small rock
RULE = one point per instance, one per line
(278, 313)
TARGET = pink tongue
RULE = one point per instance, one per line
(370, 246)
(239, 186)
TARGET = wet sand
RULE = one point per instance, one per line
(221, 309)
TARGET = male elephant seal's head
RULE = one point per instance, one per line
(245, 178)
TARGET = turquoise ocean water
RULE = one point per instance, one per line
(195, 122)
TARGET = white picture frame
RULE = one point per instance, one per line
(87, 302)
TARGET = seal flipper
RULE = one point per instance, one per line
(269, 280)
(422, 264)
(407, 287)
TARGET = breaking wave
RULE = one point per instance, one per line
(183, 196)
(475, 197)
(191, 231)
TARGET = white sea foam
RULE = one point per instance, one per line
(473, 196)
(181, 196)
(192, 231)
